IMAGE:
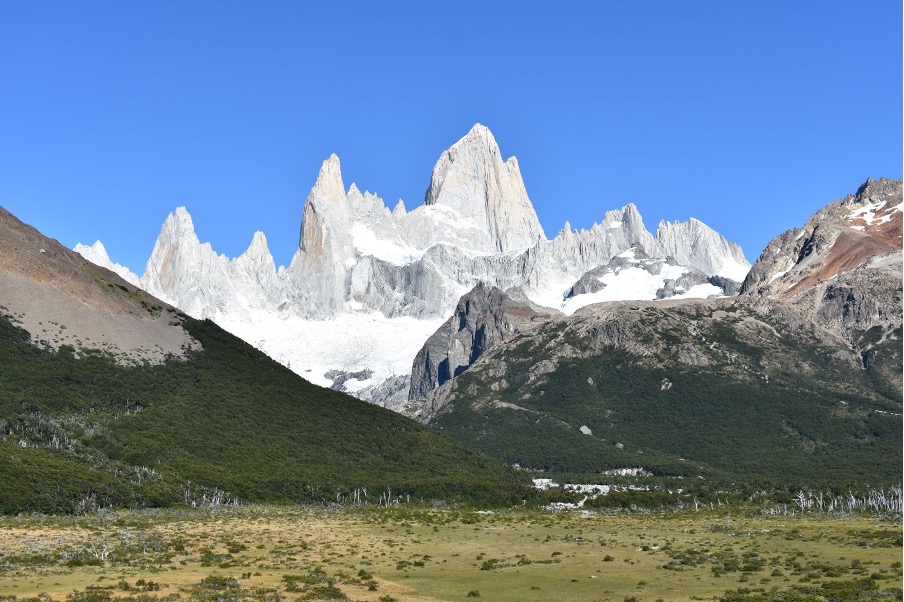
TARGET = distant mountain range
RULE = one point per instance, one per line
(384, 280)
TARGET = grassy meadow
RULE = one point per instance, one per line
(383, 554)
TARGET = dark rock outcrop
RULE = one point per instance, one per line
(484, 318)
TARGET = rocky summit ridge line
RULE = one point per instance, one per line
(386, 279)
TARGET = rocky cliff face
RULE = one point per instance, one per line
(694, 243)
(205, 284)
(483, 318)
(473, 181)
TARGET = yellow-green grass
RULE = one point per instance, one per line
(439, 554)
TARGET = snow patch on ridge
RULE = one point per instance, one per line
(732, 269)
(872, 214)
(700, 291)
(626, 284)
(391, 251)
(867, 213)
(553, 293)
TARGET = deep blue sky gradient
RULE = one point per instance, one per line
(746, 115)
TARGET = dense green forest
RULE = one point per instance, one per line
(82, 432)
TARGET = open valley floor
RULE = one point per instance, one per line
(383, 554)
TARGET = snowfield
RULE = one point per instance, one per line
(395, 252)
(350, 342)
(631, 283)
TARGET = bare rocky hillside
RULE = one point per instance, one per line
(62, 299)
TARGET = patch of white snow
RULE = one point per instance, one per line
(867, 213)
(350, 342)
(701, 291)
(390, 251)
(732, 269)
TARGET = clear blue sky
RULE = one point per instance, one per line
(745, 115)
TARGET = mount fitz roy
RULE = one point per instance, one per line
(368, 285)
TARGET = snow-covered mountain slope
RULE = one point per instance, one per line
(642, 266)
(360, 264)
(632, 275)
(97, 254)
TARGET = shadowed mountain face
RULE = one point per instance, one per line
(483, 319)
(795, 379)
(87, 421)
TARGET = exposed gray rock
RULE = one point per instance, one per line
(729, 287)
(693, 243)
(483, 318)
(340, 377)
(672, 287)
(392, 393)
(472, 181)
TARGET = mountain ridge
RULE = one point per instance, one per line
(358, 259)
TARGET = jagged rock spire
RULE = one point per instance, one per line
(472, 179)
